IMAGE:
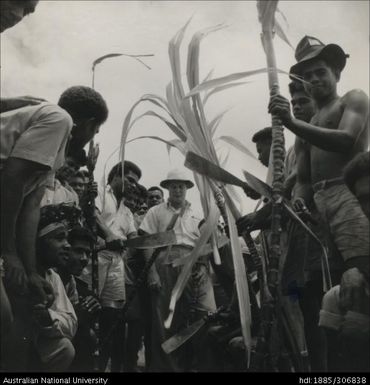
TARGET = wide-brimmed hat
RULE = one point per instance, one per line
(177, 175)
(311, 48)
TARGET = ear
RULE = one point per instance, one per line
(337, 75)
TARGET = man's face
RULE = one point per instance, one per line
(177, 192)
(68, 169)
(83, 131)
(132, 179)
(131, 202)
(322, 79)
(263, 149)
(303, 106)
(154, 198)
(143, 208)
(362, 193)
(78, 184)
(79, 256)
(12, 12)
(55, 248)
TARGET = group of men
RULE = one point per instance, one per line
(56, 221)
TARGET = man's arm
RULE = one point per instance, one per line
(19, 220)
(351, 125)
(303, 188)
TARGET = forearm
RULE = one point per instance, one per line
(27, 229)
(304, 191)
(12, 196)
(324, 138)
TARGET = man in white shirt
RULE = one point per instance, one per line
(115, 222)
(198, 296)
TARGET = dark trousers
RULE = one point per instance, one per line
(111, 338)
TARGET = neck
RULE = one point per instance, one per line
(65, 277)
(177, 205)
(326, 100)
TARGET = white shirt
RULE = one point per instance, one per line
(61, 311)
(119, 219)
(186, 227)
(57, 194)
(35, 133)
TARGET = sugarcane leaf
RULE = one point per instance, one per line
(214, 123)
(280, 32)
(224, 80)
(241, 284)
(177, 143)
(238, 145)
(184, 276)
(221, 88)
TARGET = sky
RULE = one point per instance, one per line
(54, 48)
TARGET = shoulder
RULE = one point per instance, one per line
(155, 210)
(356, 99)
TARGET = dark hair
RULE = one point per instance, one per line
(296, 86)
(358, 167)
(69, 215)
(81, 233)
(142, 191)
(156, 188)
(84, 103)
(79, 174)
(77, 154)
(128, 166)
(264, 134)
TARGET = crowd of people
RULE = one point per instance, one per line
(60, 314)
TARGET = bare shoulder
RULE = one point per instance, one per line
(357, 100)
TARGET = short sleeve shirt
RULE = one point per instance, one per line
(119, 220)
(186, 227)
(35, 133)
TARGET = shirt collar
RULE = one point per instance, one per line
(187, 206)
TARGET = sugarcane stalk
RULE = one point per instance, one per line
(91, 221)
(269, 312)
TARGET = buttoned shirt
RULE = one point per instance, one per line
(117, 217)
(186, 227)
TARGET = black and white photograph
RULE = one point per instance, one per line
(185, 188)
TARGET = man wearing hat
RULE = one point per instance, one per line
(198, 296)
(335, 134)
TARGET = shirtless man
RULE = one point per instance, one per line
(336, 133)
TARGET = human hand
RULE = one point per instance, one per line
(41, 291)
(93, 189)
(9, 104)
(114, 243)
(91, 305)
(299, 205)
(41, 315)
(154, 282)
(246, 223)
(280, 107)
(15, 275)
(354, 291)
